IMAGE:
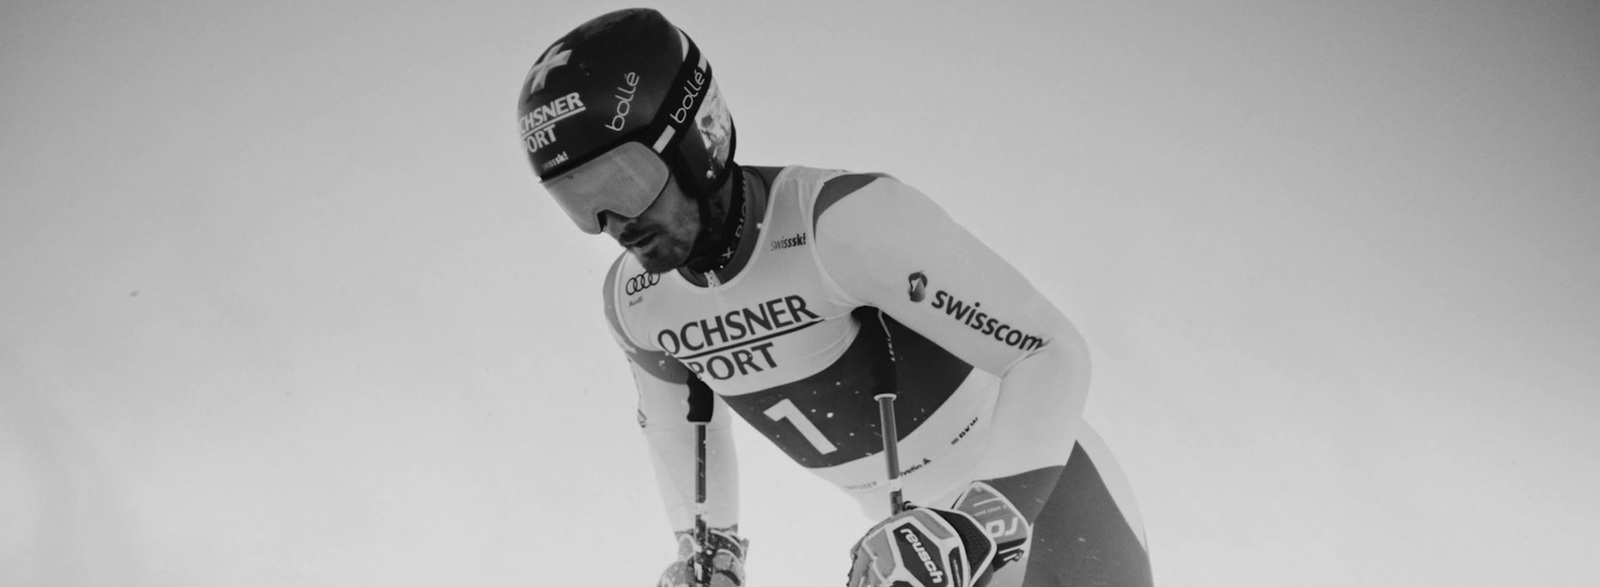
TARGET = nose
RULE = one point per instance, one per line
(613, 223)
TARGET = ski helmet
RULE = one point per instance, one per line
(617, 106)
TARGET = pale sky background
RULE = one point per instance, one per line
(281, 303)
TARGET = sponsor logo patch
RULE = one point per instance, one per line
(914, 552)
(737, 342)
(539, 124)
(972, 315)
(554, 161)
(798, 240)
(640, 282)
(691, 95)
(917, 286)
(624, 98)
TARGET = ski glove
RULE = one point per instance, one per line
(1000, 519)
(723, 559)
(922, 547)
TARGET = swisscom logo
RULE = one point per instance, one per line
(918, 286)
(972, 315)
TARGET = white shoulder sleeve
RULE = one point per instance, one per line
(890, 246)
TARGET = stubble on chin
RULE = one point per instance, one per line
(652, 263)
(660, 260)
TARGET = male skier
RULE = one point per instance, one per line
(797, 298)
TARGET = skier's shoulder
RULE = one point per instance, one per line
(847, 185)
(624, 271)
(828, 186)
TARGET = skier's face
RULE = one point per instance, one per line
(660, 237)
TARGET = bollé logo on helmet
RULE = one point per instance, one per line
(969, 314)
(640, 282)
(624, 101)
(691, 94)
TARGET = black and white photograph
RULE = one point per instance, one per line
(758, 294)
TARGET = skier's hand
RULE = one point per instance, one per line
(937, 548)
(1000, 519)
(725, 561)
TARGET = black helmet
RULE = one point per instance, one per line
(628, 76)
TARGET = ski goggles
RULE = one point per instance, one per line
(624, 180)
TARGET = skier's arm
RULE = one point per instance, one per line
(663, 406)
(721, 550)
(879, 239)
(663, 403)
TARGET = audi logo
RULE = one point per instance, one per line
(640, 283)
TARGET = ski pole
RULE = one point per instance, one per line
(888, 384)
(700, 408)
(890, 449)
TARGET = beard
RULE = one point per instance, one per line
(669, 228)
(663, 254)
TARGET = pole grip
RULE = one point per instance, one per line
(700, 409)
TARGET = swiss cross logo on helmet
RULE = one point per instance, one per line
(552, 59)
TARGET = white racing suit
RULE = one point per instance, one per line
(834, 269)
